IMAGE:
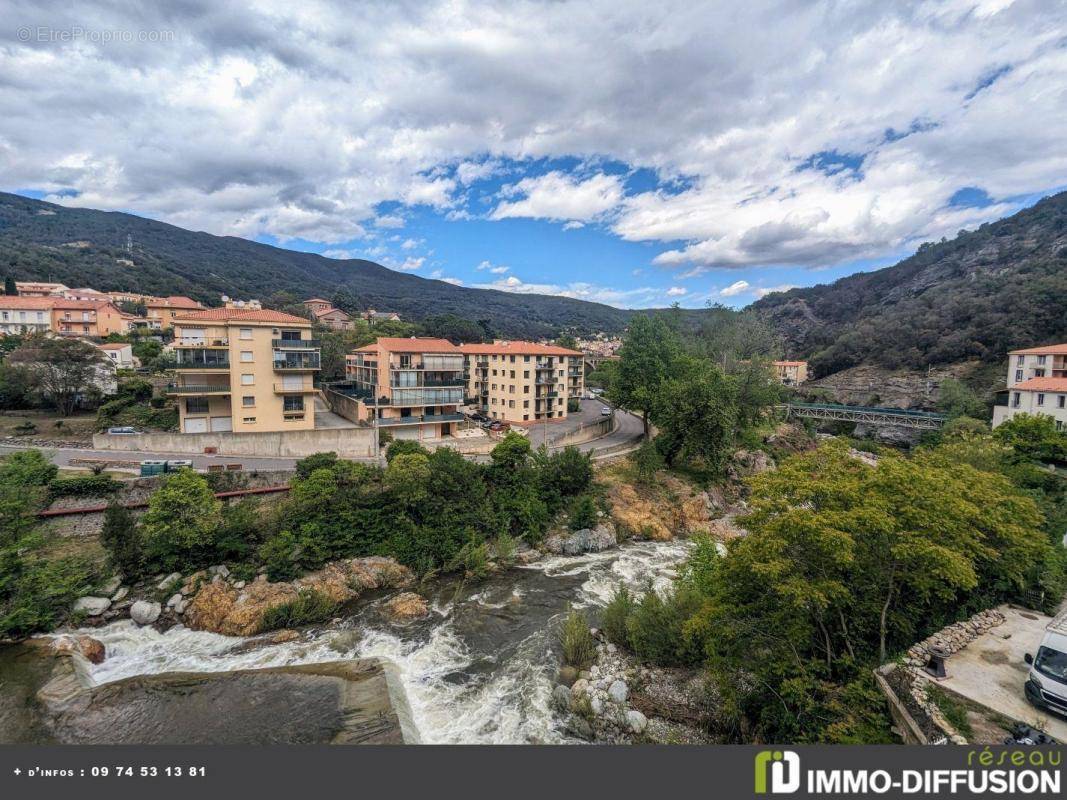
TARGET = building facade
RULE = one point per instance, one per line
(40, 289)
(25, 314)
(1037, 384)
(523, 381)
(87, 318)
(161, 311)
(120, 354)
(791, 373)
(334, 318)
(411, 387)
(244, 371)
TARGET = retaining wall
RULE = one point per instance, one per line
(346, 442)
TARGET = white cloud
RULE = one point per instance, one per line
(734, 289)
(763, 291)
(453, 281)
(642, 297)
(258, 121)
(409, 264)
(410, 244)
(488, 266)
(558, 196)
(677, 291)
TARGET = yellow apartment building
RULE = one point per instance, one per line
(523, 381)
(244, 371)
(161, 311)
(411, 387)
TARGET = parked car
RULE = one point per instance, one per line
(605, 411)
(497, 425)
(124, 430)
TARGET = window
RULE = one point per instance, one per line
(245, 333)
(526, 374)
(1041, 398)
(1040, 359)
(293, 403)
(248, 379)
(196, 405)
(526, 359)
(248, 401)
(250, 420)
(1018, 375)
(1061, 398)
(511, 404)
(525, 403)
(246, 356)
(1020, 360)
(1015, 399)
(525, 416)
(512, 376)
(526, 389)
(1039, 373)
(290, 336)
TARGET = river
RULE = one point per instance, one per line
(479, 670)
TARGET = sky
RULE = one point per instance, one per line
(627, 152)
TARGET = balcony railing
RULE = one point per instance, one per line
(296, 361)
(544, 365)
(198, 388)
(419, 419)
(202, 359)
(185, 342)
(546, 381)
(296, 344)
(282, 388)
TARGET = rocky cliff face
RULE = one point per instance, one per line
(877, 386)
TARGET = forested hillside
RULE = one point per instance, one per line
(985, 292)
(85, 247)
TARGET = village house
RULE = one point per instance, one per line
(120, 354)
(86, 318)
(791, 373)
(1037, 384)
(162, 310)
(39, 289)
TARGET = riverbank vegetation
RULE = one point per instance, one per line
(845, 564)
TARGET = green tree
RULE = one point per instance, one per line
(180, 523)
(696, 414)
(64, 370)
(404, 447)
(566, 340)
(1033, 437)
(27, 468)
(122, 540)
(647, 359)
(957, 399)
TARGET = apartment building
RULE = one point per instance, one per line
(523, 381)
(40, 288)
(85, 293)
(244, 371)
(316, 304)
(411, 387)
(161, 311)
(25, 314)
(87, 318)
(1037, 384)
(791, 373)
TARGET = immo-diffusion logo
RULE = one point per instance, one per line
(784, 769)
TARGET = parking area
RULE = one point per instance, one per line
(991, 670)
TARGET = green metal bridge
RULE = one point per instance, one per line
(870, 415)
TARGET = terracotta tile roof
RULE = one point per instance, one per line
(1047, 350)
(1042, 385)
(412, 345)
(518, 348)
(113, 345)
(790, 363)
(37, 303)
(83, 305)
(326, 311)
(174, 301)
(317, 300)
(240, 315)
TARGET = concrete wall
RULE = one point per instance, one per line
(346, 442)
(342, 405)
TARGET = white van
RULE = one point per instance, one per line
(1046, 685)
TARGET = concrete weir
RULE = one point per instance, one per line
(359, 701)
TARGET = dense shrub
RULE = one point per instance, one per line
(309, 607)
(305, 466)
(615, 615)
(122, 539)
(180, 524)
(582, 513)
(277, 556)
(579, 649)
(83, 486)
(404, 447)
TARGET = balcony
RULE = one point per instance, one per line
(296, 361)
(201, 343)
(295, 344)
(544, 365)
(202, 359)
(281, 388)
(546, 381)
(417, 419)
(198, 388)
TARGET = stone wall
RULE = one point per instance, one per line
(953, 638)
(346, 442)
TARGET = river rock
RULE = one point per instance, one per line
(597, 705)
(561, 698)
(163, 584)
(579, 687)
(636, 720)
(406, 607)
(579, 727)
(93, 606)
(111, 586)
(586, 540)
(567, 675)
(221, 570)
(144, 612)
(91, 648)
(618, 691)
(120, 594)
(174, 601)
(284, 635)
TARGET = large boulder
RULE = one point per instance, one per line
(87, 646)
(145, 612)
(586, 540)
(406, 607)
(745, 463)
(93, 606)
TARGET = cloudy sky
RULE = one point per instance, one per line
(629, 152)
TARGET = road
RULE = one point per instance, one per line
(627, 431)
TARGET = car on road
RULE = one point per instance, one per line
(124, 430)
(605, 411)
